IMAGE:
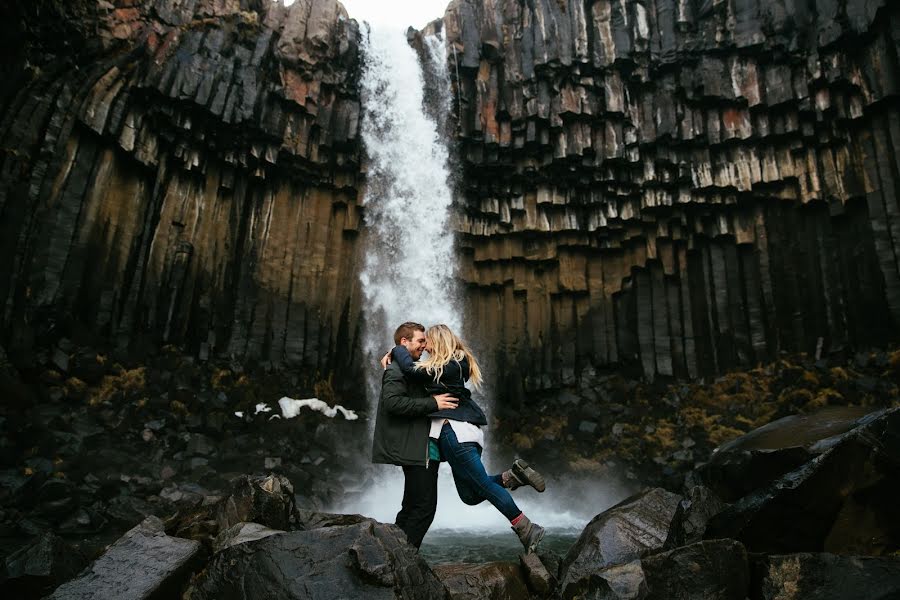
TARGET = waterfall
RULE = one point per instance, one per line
(409, 270)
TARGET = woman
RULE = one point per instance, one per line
(457, 432)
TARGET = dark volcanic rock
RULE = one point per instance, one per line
(768, 452)
(144, 563)
(539, 577)
(736, 473)
(619, 582)
(619, 161)
(240, 534)
(826, 577)
(263, 499)
(710, 570)
(36, 569)
(843, 500)
(645, 523)
(310, 519)
(258, 99)
(494, 581)
(365, 560)
(267, 500)
(699, 506)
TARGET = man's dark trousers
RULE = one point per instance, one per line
(419, 501)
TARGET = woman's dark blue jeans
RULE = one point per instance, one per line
(473, 483)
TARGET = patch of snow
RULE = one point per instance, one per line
(290, 408)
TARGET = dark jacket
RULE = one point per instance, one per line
(452, 381)
(401, 426)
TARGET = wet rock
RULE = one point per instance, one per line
(764, 454)
(619, 582)
(242, 533)
(708, 570)
(809, 576)
(364, 560)
(310, 519)
(56, 498)
(128, 510)
(267, 500)
(837, 501)
(494, 580)
(539, 579)
(644, 523)
(143, 563)
(86, 521)
(698, 507)
(36, 569)
(551, 561)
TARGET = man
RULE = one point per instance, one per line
(401, 436)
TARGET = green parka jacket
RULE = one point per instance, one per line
(401, 423)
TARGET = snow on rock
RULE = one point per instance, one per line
(290, 408)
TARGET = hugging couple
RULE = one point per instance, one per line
(425, 416)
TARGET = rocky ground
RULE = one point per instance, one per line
(818, 523)
(93, 444)
(657, 433)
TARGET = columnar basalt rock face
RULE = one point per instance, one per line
(683, 186)
(677, 186)
(185, 171)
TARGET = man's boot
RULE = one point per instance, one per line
(521, 474)
(530, 534)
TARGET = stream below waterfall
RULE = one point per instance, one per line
(444, 546)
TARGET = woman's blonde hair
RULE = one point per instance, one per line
(445, 346)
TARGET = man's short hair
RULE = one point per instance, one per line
(406, 331)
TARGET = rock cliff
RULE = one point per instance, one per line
(683, 186)
(185, 172)
(675, 186)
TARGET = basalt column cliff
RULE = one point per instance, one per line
(683, 186)
(185, 172)
(677, 187)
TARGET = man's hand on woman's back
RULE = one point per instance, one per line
(446, 401)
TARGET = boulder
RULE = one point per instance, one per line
(143, 563)
(838, 501)
(265, 500)
(820, 576)
(310, 519)
(644, 523)
(619, 582)
(494, 580)
(240, 534)
(36, 569)
(539, 578)
(699, 506)
(363, 560)
(709, 570)
(768, 452)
